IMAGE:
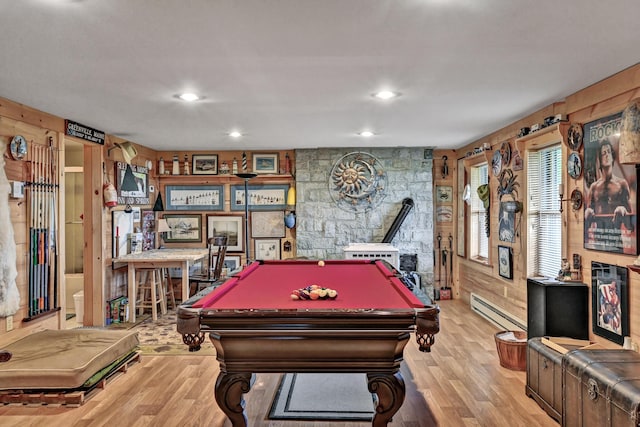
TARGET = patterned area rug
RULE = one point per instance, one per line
(337, 397)
(160, 338)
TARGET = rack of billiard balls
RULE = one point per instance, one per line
(314, 292)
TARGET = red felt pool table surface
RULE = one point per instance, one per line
(361, 284)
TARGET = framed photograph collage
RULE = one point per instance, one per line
(196, 212)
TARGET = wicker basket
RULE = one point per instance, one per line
(512, 354)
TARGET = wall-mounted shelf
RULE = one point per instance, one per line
(554, 133)
(224, 179)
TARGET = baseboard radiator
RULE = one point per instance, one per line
(496, 315)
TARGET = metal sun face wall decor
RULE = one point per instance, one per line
(357, 182)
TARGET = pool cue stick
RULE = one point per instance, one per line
(36, 231)
(53, 285)
(439, 259)
(41, 243)
(31, 231)
(47, 225)
(43, 232)
(450, 260)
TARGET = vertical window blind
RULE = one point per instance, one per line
(544, 173)
(478, 240)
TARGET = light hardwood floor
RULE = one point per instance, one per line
(460, 383)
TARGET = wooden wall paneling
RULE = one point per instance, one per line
(607, 97)
(625, 80)
(16, 119)
(575, 225)
(94, 224)
(20, 112)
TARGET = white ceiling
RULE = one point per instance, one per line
(300, 73)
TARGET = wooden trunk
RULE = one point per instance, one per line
(601, 388)
(544, 377)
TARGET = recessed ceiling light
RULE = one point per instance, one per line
(235, 134)
(386, 94)
(189, 97)
(366, 134)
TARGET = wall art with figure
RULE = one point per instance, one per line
(610, 190)
(610, 302)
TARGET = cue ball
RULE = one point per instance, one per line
(321, 263)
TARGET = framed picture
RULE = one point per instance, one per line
(204, 164)
(141, 177)
(444, 194)
(261, 197)
(148, 230)
(267, 249)
(267, 224)
(185, 228)
(265, 163)
(121, 228)
(506, 224)
(194, 197)
(230, 226)
(444, 213)
(505, 262)
(232, 262)
(610, 199)
(609, 301)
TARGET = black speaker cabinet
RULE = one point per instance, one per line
(557, 309)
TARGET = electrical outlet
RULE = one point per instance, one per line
(9, 320)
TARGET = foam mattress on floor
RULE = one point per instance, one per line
(63, 359)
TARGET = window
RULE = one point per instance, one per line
(478, 240)
(544, 173)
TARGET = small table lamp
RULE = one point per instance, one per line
(162, 228)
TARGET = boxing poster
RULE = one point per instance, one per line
(610, 190)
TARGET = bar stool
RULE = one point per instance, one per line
(151, 291)
(167, 284)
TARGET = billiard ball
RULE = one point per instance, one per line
(321, 263)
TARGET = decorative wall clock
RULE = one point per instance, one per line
(18, 147)
(574, 165)
(574, 136)
(357, 182)
(576, 199)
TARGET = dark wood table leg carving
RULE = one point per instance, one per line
(194, 341)
(390, 392)
(229, 390)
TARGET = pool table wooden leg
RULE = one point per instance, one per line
(229, 390)
(390, 391)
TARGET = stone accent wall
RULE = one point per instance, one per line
(323, 229)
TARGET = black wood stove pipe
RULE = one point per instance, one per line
(407, 205)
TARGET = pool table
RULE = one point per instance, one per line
(255, 327)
